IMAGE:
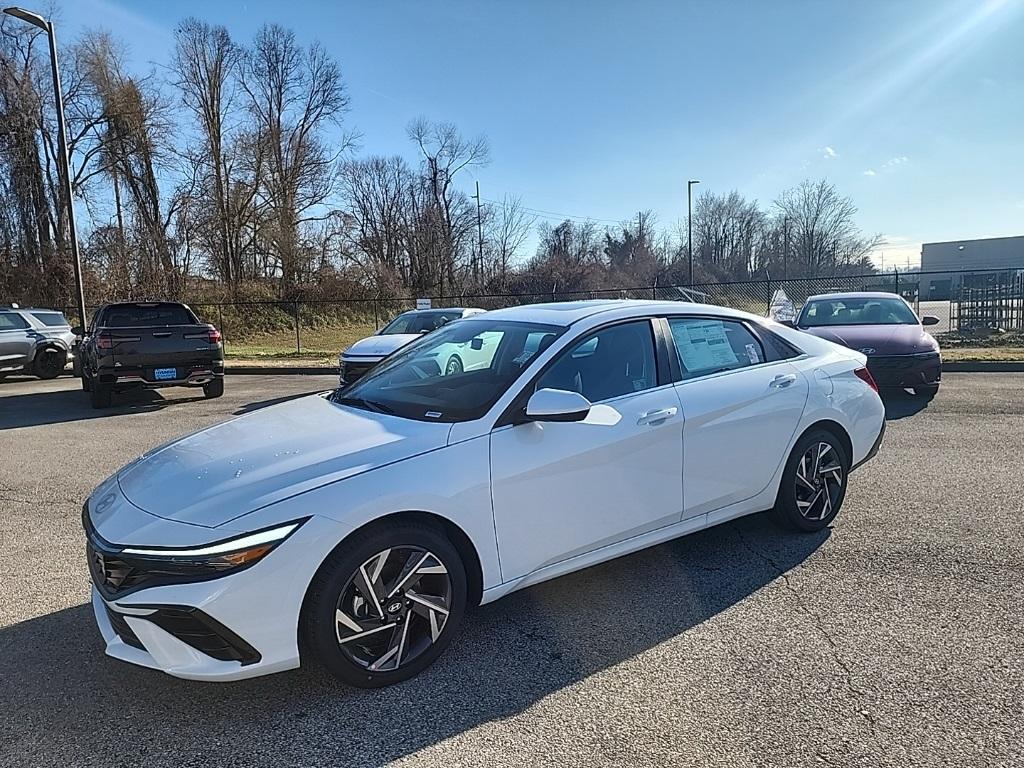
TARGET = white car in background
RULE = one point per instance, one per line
(359, 525)
(359, 358)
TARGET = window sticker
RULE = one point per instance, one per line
(752, 354)
(703, 344)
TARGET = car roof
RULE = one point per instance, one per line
(855, 295)
(568, 312)
(440, 309)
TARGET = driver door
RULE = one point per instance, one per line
(565, 489)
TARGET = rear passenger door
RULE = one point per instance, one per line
(741, 401)
(17, 339)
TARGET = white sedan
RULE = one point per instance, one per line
(359, 525)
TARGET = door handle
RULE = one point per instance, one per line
(783, 380)
(656, 417)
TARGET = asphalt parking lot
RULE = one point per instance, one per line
(894, 638)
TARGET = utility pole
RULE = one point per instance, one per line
(689, 224)
(480, 238)
(64, 164)
(785, 247)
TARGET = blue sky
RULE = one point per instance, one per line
(914, 108)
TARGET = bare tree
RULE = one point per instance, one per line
(295, 95)
(509, 225)
(823, 235)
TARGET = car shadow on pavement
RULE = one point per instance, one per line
(899, 404)
(250, 407)
(64, 702)
(60, 406)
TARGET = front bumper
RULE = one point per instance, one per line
(906, 370)
(237, 626)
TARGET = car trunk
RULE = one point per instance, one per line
(162, 353)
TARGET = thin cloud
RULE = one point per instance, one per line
(828, 153)
(870, 172)
(892, 162)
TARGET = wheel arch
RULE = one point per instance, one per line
(834, 428)
(463, 544)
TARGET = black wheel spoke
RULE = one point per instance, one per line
(818, 481)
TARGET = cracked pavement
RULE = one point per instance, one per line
(892, 639)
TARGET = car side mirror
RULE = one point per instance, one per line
(476, 344)
(78, 330)
(557, 405)
(929, 320)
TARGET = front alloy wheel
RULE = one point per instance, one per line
(393, 608)
(385, 604)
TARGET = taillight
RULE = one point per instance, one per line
(214, 336)
(104, 342)
(865, 375)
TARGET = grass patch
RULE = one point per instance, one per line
(1003, 354)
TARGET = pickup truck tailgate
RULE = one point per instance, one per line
(163, 353)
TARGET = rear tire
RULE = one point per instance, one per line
(927, 391)
(49, 362)
(100, 395)
(404, 626)
(213, 389)
(813, 483)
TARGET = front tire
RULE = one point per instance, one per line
(928, 391)
(453, 366)
(49, 362)
(385, 604)
(813, 483)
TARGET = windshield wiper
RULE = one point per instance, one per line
(366, 405)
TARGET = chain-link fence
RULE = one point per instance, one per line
(321, 329)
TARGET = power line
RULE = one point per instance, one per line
(555, 215)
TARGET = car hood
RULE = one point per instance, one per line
(881, 339)
(380, 346)
(218, 474)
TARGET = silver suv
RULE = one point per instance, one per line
(34, 341)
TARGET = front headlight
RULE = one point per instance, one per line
(117, 570)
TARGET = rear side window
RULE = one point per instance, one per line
(776, 347)
(710, 345)
(133, 315)
(51, 319)
(11, 321)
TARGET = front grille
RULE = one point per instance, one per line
(354, 370)
(112, 575)
(120, 626)
(892, 369)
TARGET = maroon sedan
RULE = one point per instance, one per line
(883, 327)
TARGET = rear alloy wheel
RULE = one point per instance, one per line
(212, 389)
(382, 610)
(49, 362)
(813, 483)
(454, 366)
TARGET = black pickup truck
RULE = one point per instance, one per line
(149, 344)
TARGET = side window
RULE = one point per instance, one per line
(609, 363)
(709, 345)
(12, 321)
(776, 347)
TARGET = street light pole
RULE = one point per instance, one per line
(689, 224)
(64, 163)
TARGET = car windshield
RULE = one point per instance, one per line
(856, 311)
(420, 322)
(455, 374)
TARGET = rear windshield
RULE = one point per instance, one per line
(50, 318)
(132, 315)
